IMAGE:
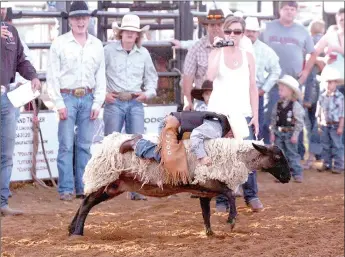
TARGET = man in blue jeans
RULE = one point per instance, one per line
(128, 67)
(76, 82)
(146, 149)
(12, 60)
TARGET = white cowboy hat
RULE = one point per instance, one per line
(252, 23)
(238, 14)
(130, 22)
(331, 73)
(292, 83)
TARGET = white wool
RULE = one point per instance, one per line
(107, 164)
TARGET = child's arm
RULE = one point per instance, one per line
(340, 129)
(273, 125)
(298, 113)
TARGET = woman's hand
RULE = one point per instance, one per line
(255, 122)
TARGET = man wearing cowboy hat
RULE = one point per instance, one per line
(330, 114)
(266, 61)
(12, 60)
(129, 67)
(287, 122)
(76, 84)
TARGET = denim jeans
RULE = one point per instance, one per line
(146, 149)
(129, 112)
(283, 140)
(261, 117)
(78, 110)
(8, 135)
(250, 188)
(333, 147)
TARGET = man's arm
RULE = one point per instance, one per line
(53, 82)
(24, 67)
(150, 77)
(183, 44)
(100, 87)
(273, 68)
(190, 65)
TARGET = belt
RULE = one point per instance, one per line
(125, 96)
(78, 92)
(332, 123)
(285, 129)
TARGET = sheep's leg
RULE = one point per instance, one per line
(77, 225)
(206, 214)
(232, 204)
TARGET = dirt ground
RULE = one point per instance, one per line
(298, 220)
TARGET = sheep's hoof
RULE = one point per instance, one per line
(209, 232)
(232, 222)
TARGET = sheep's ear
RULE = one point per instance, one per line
(261, 148)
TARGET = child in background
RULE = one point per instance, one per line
(330, 114)
(287, 122)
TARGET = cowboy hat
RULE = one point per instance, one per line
(197, 92)
(293, 84)
(215, 16)
(6, 4)
(130, 22)
(252, 23)
(78, 9)
(330, 74)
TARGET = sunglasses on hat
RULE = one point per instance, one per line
(214, 17)
(236, 32)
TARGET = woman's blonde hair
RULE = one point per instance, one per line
(138, 41)
(234, 19)
(317, 27)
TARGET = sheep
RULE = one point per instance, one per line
(110, 173)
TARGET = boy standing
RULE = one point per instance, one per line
(287, 123)
(330, 114)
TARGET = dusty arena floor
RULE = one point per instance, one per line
(298, 220)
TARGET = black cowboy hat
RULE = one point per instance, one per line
(197, 92)
(78, 9)
(215, 16)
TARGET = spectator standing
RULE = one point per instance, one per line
(128, 67)
(287, 123)
(76, 83)
(12, 60)
(291, 42)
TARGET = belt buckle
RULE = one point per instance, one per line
(79, 92)
(125, 96)
(280, 129)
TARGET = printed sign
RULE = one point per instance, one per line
(22, 157)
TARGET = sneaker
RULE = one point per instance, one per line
(324, 167)
(222, 208)
(66, 197)
(298, 179)
(137, 197)
(7, 211)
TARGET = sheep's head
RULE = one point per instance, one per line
(273, 160)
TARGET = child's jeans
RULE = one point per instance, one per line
(283, 140)
(332, 147)
(208, 130)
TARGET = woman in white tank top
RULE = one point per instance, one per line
(232, 71)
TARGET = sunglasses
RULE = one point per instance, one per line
(236, 32)
(214, 17)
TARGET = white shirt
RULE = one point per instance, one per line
(73, 66)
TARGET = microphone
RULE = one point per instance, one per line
(224, 43)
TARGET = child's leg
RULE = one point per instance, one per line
(326, 147)
(337, 149)
(293, 156)
(208, 130)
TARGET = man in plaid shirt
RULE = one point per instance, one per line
(266, 63)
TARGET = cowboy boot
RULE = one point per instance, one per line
(7, 211)
(129, 144)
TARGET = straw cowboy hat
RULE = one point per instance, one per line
(215, 16)
(330, 74)
(130, 22)
(197, 92)
(293, 84)
(252, 23)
